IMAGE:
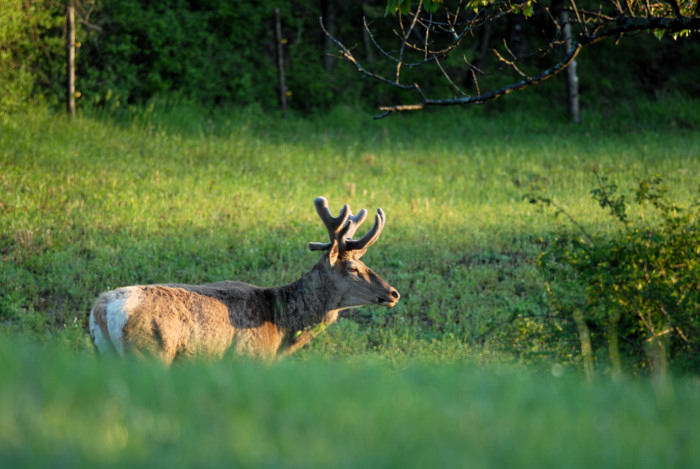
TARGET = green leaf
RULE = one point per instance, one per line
(431, 6)
(397, 6)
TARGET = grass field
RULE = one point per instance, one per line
(466, 371)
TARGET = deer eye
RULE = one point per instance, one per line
(352, 269)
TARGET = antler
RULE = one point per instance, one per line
(343, 227)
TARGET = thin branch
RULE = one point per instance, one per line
(480, 99)
(405, 40)
(371, 37)
(578, 17)
(510, 63)
(449, 80)
(347, 55)
(88, 25)
(473, 69)
(427, 37)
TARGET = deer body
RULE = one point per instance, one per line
(173, 320)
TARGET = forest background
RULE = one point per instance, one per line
(219, 53)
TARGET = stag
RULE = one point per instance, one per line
(172, 321)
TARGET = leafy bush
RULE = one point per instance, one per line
(639, 289)
(31, 50)
(212, 53)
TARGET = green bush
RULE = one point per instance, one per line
(31, 51)
(640, 288)
(212, 53)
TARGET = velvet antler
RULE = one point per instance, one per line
(343, 227)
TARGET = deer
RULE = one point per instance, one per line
(176, 321)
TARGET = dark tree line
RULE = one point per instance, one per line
(423, 53)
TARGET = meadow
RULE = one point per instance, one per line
(468, 370)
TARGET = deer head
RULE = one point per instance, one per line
(356, 283)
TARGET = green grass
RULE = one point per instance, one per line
(175, 194)
(59, 409)
(471, 369)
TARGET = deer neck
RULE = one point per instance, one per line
(308, 302)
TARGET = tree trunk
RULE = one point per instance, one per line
(280, 63)
(70, 58)
(572, 100)
(656, 350)
(584, 335)
(517, 40)
(613, 344)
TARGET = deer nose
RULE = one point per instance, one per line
(395, 294)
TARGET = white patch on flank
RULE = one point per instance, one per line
(119, 307)
(101, 342)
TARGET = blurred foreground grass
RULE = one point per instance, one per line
(59, 409)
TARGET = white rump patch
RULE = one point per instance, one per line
(101, 342)
(119, 307)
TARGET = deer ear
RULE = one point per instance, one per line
(333, 253)
(357, 253)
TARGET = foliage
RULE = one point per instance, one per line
(31, 51)
(214, 53)
(641, 284)
(146, 49)
(218, 54)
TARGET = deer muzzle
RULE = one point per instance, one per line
(391, 299)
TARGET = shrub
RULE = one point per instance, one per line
(31, 49)
(637, 291)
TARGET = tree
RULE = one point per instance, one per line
(458, 42)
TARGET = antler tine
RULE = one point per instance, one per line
(333, 224)
(354, 223)
(371, 237)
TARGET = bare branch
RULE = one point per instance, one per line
(405, 40)
(578, 17)
(347, 55)
(480, 99)
(510, 63)
(371, 37)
